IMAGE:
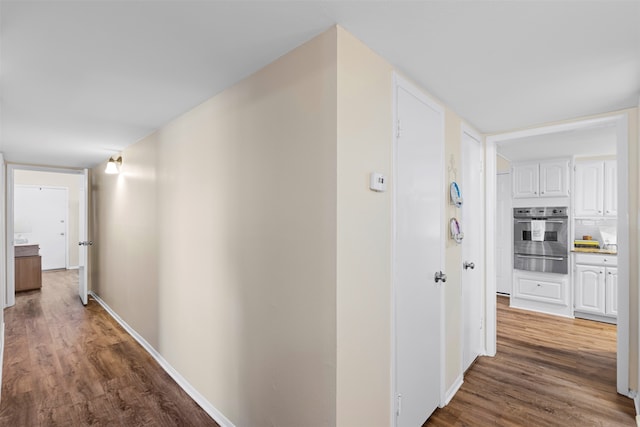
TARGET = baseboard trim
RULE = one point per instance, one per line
(182, 382)
(453, 390)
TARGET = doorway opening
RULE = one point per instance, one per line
(616, 127)
(46, 220)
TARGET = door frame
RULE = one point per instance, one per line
(399, 81)
(510, 230)
(621, 122)
(464, 128)
(9, 290)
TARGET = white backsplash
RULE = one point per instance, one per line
(602, 230)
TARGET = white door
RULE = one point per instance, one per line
(589, 289)
(41, 213)
(84, 243)
(418, 244)
(504, 230)
(526, 180)
(472, 220)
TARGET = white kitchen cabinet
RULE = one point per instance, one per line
(611, 291)
(596, 189)
(611, 188)
(589, 189)
(526, 180)
(595, 286)
(548, 178)
(543, 292)
(554, 178)
(589, 288)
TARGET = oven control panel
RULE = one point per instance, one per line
(541, 212)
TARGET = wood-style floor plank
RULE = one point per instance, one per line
(549, 371)
(69, 365)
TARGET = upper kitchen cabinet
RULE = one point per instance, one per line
(596, 189)
(611, 188)
(554, 178)
(548, 178)
(526, 179)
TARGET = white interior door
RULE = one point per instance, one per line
(504, 248)
(417, 248)
(472, 256)
(83, 237)
(40, 216)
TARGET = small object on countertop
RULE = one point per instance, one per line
(586, 244)
(587, 237)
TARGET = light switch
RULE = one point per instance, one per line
(377, 181)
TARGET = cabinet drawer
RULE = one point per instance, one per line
(596, 259)
(539, 290)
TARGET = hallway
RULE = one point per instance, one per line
(67, 365)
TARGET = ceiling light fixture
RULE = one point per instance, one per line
(113, 165)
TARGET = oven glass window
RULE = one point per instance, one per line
(549, 236)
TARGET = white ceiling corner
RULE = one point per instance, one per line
(80, 81)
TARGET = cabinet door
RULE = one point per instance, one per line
(28, 273)
(610, 188)
(611, 298)
(525, 180)
(589, 289)
(554, 180)
(589, 187)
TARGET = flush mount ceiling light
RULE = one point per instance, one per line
(113, 165)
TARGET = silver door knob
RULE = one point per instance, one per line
(468, 264)
(440, 277)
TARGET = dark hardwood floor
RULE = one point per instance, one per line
(549, 371)
(69, 365)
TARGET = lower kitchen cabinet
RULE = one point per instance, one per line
(543, 292)
(611, 292)
(28, 273)
(589, 289)
(595, 284)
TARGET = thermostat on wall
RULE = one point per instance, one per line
(377, 181)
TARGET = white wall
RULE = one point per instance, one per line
(363, 236)
(217, 242)
(261, 266)
(502, 164)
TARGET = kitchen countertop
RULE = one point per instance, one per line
(595, 251)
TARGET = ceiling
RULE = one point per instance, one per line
(80, 81)
(590, 142)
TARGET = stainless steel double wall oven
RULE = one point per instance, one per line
(541, 239)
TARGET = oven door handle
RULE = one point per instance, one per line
(553, 258)
(555, 221)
